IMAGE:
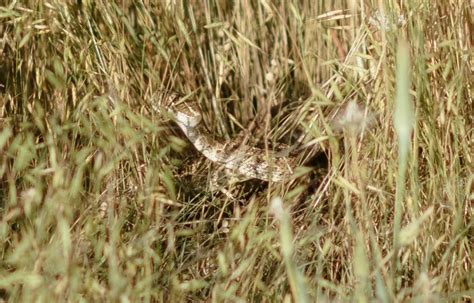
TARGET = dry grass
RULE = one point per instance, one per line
(103, 200)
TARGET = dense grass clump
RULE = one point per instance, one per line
(103, 199)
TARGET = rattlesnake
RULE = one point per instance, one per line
(247, 161)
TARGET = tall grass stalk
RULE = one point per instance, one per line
(295, 277)
(403, 119)
(103, 199)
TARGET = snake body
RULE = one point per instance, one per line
(247, 161)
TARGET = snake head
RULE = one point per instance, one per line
(184, 110)
(186, 113)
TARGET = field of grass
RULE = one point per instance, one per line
(104, 200)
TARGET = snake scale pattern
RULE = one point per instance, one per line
(247, 161)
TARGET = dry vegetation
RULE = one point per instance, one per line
(102, 199)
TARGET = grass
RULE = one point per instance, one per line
(102, 199)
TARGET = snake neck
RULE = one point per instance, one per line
(211, 149)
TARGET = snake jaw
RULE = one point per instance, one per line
(186, 119)
(186, 114)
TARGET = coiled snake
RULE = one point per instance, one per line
(247, 161)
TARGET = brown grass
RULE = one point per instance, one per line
(102, 199)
